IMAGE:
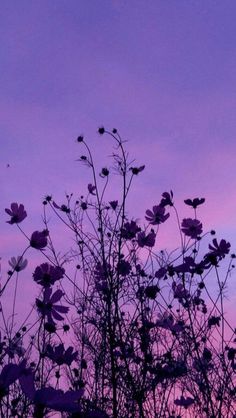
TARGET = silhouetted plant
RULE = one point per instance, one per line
(149, 338)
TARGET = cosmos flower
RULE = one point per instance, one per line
(221, 249)
(39, 240)
(18, 264)
(123, 267)
(92, 189)
(167, 199)
(195, 202)
(17, 213)
(49, 397)
(9, 374)
(47, 307)
(61, 356)
(185, 402)
(191, 227)
(46, 274)
(146, 240)
(114, 204)
(157, 215)
(129, 230)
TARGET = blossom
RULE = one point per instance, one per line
(47, 307)
(191, 227)
(61, 356)
(146, 240)
(123, 267)
(17, 213)
(49, 397)
(167, 199)
(137, 170)
(9, 374)
(186, 402)
(18, 264)
(221, 249)
(39, 240)
(151, 291)
(195, 202)
(46, 274)
(157, 215)
(92, 189)
(179, 291)
(129, 230)
(113, 204)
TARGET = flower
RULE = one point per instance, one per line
(219, 250)
(61, 356)
(48, 397)
(195, 202)
(38, 239)
(137, 170)
(101, 130)
(179, 291)
(114, 204)
(151, 291)
(47, 307)
(146, 240)
(123, 267)
(129, 230)
(186, 402)
(18, 264)
(17, 213)
(157, 215)
(46, 274)
(167, 199)
(9, 374)
(92, 189)
(191, 227)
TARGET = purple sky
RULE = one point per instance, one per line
(162, 71)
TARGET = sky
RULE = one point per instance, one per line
(163, 72)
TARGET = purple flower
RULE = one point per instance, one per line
(9, 374)
(49, 397)
(195, 202)
(165, 321)
(114, 204)
(123, 267)
(61, 356)
(18, 264)
(167, 199)
(221, 249)
(129, 230)
(46, 275)
(146, 240)
(186, 402)
(47, 307)
(191, 227)
(17, 213)
(179, 291)
(39, 240)
(92, 189)
(137, 170)
(157, 215)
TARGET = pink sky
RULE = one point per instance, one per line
(161, 71)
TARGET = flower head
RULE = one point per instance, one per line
(185, 402)
(219, 250)
(129, 230)
(61, 356)
(92, 189)
(17, 213)
(46, 274)
(39, 240)
(195, 202)
(146, 240)
(157, 215)
(18, 264)
(191, 227)
(48, 308)
(114, 204)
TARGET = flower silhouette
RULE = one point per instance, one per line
(157, 215)
(18, 264)
(61, 356)
(47, 307)
(39, 240)
(191, 227)
(46, 274)
(17, 213)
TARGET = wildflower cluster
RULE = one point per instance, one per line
(120, 329)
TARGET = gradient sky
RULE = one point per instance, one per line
(161, 71)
